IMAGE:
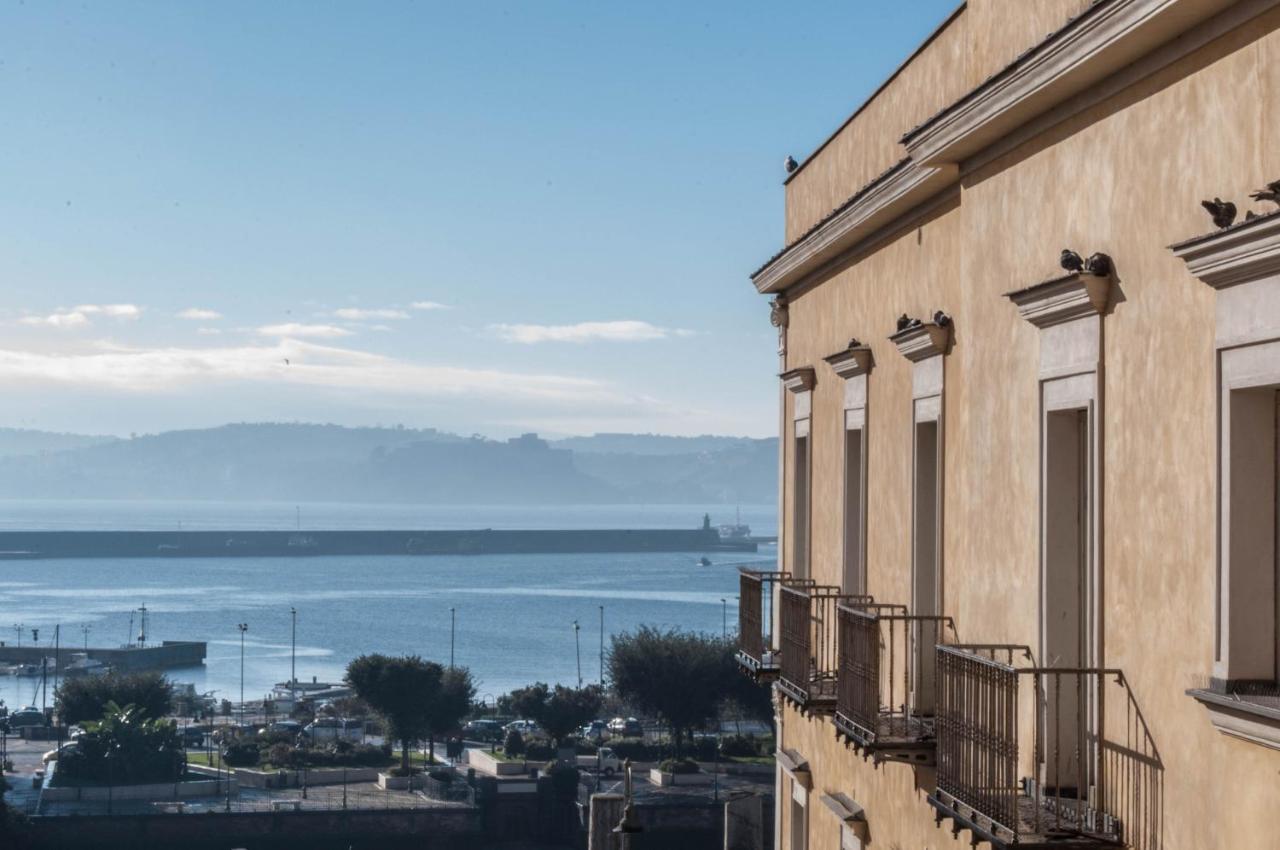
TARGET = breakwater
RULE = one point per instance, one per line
(24, 545)
(170, 653)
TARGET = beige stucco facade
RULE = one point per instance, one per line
(1189, 112)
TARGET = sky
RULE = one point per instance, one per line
(481, 217)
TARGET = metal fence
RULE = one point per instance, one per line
(1050, 759)
(810, 645)
(887, 672)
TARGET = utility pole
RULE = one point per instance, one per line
(243, 627)
(453, 629)
(577, 648)
(293, 650)
(724, 619)
(601, 646)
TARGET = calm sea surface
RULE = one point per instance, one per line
(514, 613)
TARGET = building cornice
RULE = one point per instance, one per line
(922, 341)
(851, 362)
(1104, 38)
(1244, 252)
(877, 204)
(799, 380)
(1063, 298)
(794, 765)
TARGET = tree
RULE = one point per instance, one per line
(450, 703)
(125, 747)
(87, 697)
(401, 689)
(677, 675)
(559, 711)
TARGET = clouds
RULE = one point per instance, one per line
(78, 316)
(299, 329)
(428, 305)
(358, 314)
(293, 362)
(620, 331)
(199, 314)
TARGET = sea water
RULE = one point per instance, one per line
(509, 618)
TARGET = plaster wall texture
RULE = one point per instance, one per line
(981, 39)
(1124, 178)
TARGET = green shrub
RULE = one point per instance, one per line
(514, 745)
(241, 753)
(740, 746)
(678, 766)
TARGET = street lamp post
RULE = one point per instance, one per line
(577, 648)
(453, 630)
(724, 619)
(243, 627)
(85, 629)
(17, 627)
(602, 646)
(293, 649)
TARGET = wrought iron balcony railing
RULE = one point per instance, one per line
(1039, 757)
(809, 645)
(757, 656)
(885, 693)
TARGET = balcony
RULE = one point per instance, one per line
(885, 693)
(756, 592)
(809, 648)
(1040, 757)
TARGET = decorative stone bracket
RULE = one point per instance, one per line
(1063, 299)
(800, 380)
(852, 362)
(922, 341)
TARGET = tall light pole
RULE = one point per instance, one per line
(602, 646)
(243, 627)
(577, 648)
(17, 627)
(724, 619)
(453, 630)
(293, 649)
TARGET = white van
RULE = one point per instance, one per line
(334, 729)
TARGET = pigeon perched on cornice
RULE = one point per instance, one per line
(941, 319)
(1223, 212)
(1271, 193)
(790, 164)
(855, 343)
(904, 322)
(1070, 260)
(1098, 264)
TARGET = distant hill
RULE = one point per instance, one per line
(651, 444)
(19, 441)
(301, 462)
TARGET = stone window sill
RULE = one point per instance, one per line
(1256, 720)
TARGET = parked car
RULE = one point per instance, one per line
(193, 736)
(596, 730)
(53, 754)
(292, 727)
(526, 728)
(482, 730)
(29, 716)
(626, 727)
(607, 761)
(334, 729)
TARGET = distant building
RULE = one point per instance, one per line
(1028, 507)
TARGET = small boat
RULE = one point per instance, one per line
(82, 665)
(704, 561)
